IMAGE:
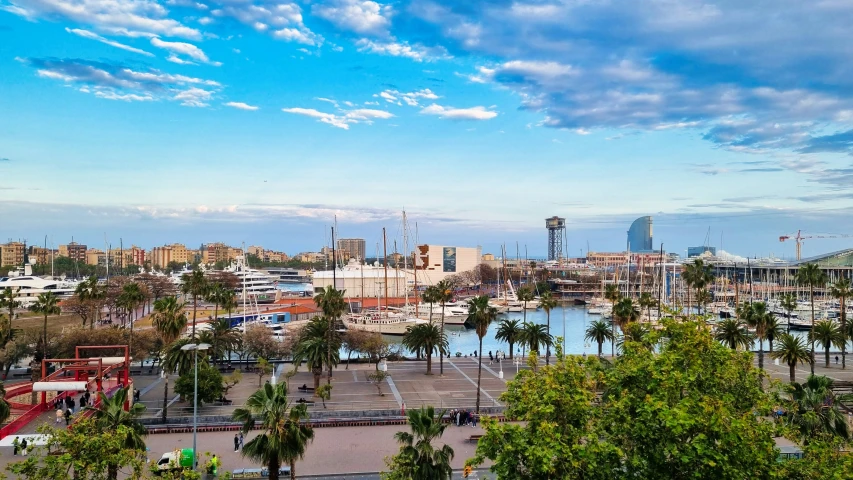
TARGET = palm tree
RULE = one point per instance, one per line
(285, 435)
(817, 410)
(636, 333)
(217, 294)
(625, 312)
(647, 301)
(131, 298)
(757, 316)
(525, 294)
(421, 459)
(428, 338)
(176, 360)
(47, 304)
(331, 302)
(812, 276)
(7, 300)
(313, 348)
(169, 318)
(841, 290)
(599, 331)
(703, 298)
(792, 351)
(195, 285)
(110, 414)
(733, 333)
(611, 293)
(444, 294)
(89, 291)
(696, 275)
(509, 331)
(827, 333)
(788, 302)
(481, 315)
(535, 335)
(430, 296)
(547, 302)
(222, 338)
(772, 330)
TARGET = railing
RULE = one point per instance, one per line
(15, 425)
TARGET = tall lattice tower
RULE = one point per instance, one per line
(556, 232)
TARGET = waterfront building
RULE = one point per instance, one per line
(697, 251)
(355, 248)
(640, 235)
(39, 255)
(365, 280)
(217, 252)
(437, 262)
(12, 254)
(74, 251)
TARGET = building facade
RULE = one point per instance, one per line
(640, 235)
(12, 254)
(74, 251)
(437, 262)
(355, 247)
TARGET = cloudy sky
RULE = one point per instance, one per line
(261, 120)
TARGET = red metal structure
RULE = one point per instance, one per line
(92, 370)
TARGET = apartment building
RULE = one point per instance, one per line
(12, 254)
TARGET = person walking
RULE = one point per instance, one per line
(24, 447)
(241, 440)
(59, 414)
(15, 446)
(67, 416)
(236, 442)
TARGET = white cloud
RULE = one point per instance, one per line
(344, 118)
(327, 100)
(304, 37)
(95, 36)
(128, 97)
(472, 113)
(205, 20)
(241, 106)
(284, 17)
(388, 97)
(417, 53)
(360, 16)
(182, 48)
(194, 97)
(410, 98)
(122, 17)
(175, 59)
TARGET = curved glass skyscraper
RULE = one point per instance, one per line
(640, 235)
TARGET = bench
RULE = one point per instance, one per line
(306, 402)
(305, 389)
(475, 437)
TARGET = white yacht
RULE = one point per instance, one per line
(28, 287)
(453, 314)
(289, 275)
(258, 285)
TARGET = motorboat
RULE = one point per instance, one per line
(28, 287)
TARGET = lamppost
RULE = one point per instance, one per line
(195, 348)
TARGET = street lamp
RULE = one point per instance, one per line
(195, 348)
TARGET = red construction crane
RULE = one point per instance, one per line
(799, 237)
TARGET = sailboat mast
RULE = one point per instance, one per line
(385, 261)
(334, 261)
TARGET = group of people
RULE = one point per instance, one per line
(461, 417)
(238, 441)
(65, 407)
(22, 446)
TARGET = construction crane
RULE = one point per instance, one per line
(799, 237)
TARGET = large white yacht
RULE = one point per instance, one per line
(28, 287)
(258, 285)
(385, 322)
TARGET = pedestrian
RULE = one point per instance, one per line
(59, 415)
(73, 405)
(491, 358)
(236, 442)
(475, 353)
(24, 447)
(241, 440)
(474, 419)
(15, 446)
(67, 416)
(836, 359)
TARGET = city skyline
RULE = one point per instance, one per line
(261, 121)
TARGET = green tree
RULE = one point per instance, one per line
(333, 305)
(195, 285)
(509, 331)
(525, 294)
(264, 368)
(131, 298)
(792, 351)
(842, 291)
(169, 318)
(758, 317)
(109, 415)
(733, 333)
(788, 302)
(828, 334)
(46, 304)
(222, 339)
(8, 300)
(692, 410)
(548, 303)
(210, 383)
(815, 410)
(647, 301)
(481, 315)
(285, 435)
(824, 458)
(89, 293)
(312, 348)
(637, 333)
(611, 293)
(428, 338)
(430, 297)
(599, 332)
(696, 275)
(703, 298)
(625, 312)
(5, 409)
(773, 330)
(444, 294)
(419, 459)
(535, 336)
(217, 294)
(181, 361)
(810, 275)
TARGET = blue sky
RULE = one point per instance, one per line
(261, 120)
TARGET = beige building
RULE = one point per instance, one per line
(12, 254)
(354, 247)
(217, 252)
(437, 262)
(74, 251)
(94, 256)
